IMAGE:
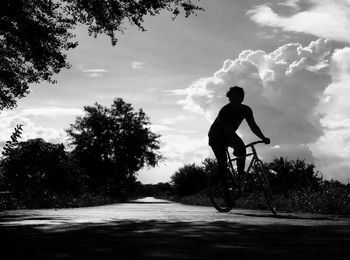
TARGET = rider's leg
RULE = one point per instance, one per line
(221, 158)
(239, 151)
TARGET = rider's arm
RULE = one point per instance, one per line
(255, 128)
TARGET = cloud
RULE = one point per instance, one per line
(178, 147)
(332, 150)
(160, 128)
(176, 119)
(327, 18)
(93, 72)
(295, 91)
(31, 130)
(9, 120)
(51, 111)
(164, 128)
(291, 3)
(137, 64)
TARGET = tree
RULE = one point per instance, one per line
(35, 167)
(10, 145)
(293, 175)
(112, 144)
(189, 179)
(34, 34)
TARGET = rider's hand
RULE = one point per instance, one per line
(266, 140)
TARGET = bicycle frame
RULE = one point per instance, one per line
(220, 194)
(254, 158)
(223, 196)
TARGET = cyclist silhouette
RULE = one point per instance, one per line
(222, 133)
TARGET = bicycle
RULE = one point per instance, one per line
(223, 197)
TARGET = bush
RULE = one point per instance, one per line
(54, 200)
(292, 175)
(35, 167)
(296, 186)
(159, 190)
(189, 180)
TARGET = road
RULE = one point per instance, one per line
(157, 229)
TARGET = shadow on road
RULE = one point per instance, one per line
(174, 240)
(285, 216)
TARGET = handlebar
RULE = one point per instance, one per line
(254, 143)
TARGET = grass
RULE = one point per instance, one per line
(62, 200)
(331, 198)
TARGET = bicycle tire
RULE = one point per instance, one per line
(265, 185)
(218, 194)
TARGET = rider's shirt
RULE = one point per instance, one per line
(229, 116)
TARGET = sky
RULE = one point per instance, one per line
(291, 57)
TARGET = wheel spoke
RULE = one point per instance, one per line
(265, 185)
(222, 196)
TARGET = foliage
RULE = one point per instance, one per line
(158, 190)
(54, 200)
(296, 186)
(291, 175)
(210, 165)
(33, 37)
(285, 176)
(35, 34)
(10, 145)
(112, 144)
(108, 17)
(189, 179)
(37, 167)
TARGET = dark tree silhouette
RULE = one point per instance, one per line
(10, 145)
(189, 179)
(34, 34)
(290, 174)
(112, 144)
(35, 167)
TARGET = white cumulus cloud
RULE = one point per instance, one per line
(181, 148)
(332, 150)
(323, 18)
(295, 91)
(9, 120)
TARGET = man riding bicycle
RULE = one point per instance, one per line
(222, 133)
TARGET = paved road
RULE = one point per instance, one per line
(158, 229)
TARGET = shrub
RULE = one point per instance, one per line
(37, 167)
(292, 175)
(189, 179)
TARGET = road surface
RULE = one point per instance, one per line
(157, 229)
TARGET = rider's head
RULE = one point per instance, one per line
(235, 95)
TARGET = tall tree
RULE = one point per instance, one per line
(112, 144)
(34, 34)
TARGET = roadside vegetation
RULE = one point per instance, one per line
(296, 185)
(109, 146)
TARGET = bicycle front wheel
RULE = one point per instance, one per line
(220, 195)
(265, 185)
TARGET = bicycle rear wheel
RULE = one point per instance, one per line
(265, 185)
(221, 196)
